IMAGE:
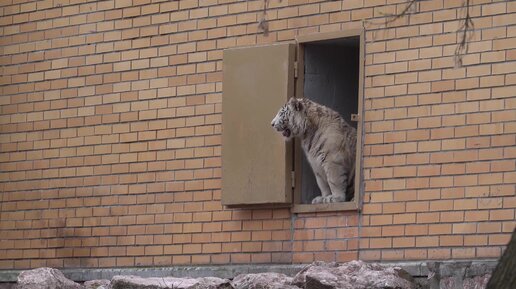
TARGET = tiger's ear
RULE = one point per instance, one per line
(295, 103)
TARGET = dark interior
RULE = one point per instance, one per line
(331, 71)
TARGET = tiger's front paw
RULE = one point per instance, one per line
(318, 200)
(334, 199)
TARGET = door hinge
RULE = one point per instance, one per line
(296, 72)
(293, 178)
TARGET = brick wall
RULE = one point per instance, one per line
(110, 134)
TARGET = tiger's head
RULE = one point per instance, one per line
(290, 119)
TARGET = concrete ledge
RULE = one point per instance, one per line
(416, 269)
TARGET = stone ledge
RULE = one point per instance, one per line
(416, 269)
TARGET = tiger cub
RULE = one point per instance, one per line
(328, 142)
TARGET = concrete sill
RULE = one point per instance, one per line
(334, 207)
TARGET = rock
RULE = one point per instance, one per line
(263, 281)
(450, 283)
(135, 282)
(45, 278)
(97, 284)
(353, 275)
(477, 282)
(300, 278)
(457, 282)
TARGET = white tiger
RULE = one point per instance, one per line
(329, 143)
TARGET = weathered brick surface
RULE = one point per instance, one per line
(110, 134)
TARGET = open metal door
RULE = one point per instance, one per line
(256, 161)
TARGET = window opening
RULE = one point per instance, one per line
(330, 76)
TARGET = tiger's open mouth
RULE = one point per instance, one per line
(286, 132)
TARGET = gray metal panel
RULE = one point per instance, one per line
(256, 162)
